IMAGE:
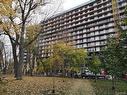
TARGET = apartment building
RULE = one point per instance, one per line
(86, 26)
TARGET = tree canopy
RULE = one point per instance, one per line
(66, 58)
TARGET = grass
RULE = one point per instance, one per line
(104, 87)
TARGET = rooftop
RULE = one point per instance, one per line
(79, 6)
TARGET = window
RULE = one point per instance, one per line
(97, 48)
(84, 35)
(97, 43)
(84, 45)
(96, 38)
(84, 40)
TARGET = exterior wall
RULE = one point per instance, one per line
(87, 26)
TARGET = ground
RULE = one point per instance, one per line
(63, 86)
(44, 85)
(81, 87)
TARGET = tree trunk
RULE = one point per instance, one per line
(1, 60)
(95, 77)
(21, 53)
(33, 64)
(19, 65)
(5, 62)
(5, 68)
(29, 61)
(113, 85)
(14, 50)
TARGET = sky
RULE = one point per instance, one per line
(72, 3)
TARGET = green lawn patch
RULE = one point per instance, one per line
(104, 87)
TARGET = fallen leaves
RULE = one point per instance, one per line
(44, 85)
(35, 85)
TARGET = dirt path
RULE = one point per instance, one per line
(81, 87)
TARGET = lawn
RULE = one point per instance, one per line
(104, 87)
(44, 86)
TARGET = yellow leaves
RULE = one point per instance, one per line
(6, 8)
(57, 60)
(35, 85)
(8, 27)
(16, 28)
(5, 26)
(35, 27)
(7, 12)
(6, 1)
(32, 30)
(62, 47)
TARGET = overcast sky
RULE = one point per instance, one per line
(72, 3)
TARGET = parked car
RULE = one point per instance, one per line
(90, 75)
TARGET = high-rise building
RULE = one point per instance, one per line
(87, 26)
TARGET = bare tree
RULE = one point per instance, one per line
(15, 16)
